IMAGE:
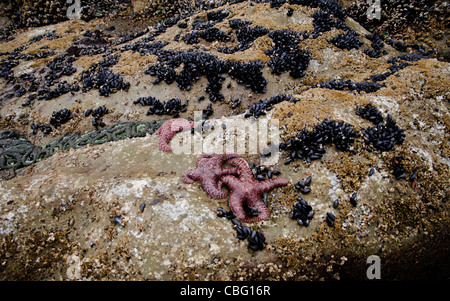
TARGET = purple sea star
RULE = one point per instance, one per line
(169, 128)
(208, 171)
(245, 200)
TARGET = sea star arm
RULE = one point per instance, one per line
(240, 197)
(157, 131)
(269, 184)
(256, 204)
(235, 202)
(189, 176)
(169, 128)
(164, 145)
(245, 173)
(213, 186)
(245, 200)
(214, 189)
(229, 171)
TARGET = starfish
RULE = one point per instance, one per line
(208, 171)
(169, 128)
(245, 200)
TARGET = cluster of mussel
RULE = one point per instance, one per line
(261, 107)
(97, 113)
(377, 44)
(245, 35)
(309, 145)
(256, 240)
(197, 64)
(286, 54)
(384, 135)
(366, 86)
(60, 66)
(348, 40)
(99, 76)
(60, 117)
(302, 212)
(32, 13)
(172, 106)
(261, 173)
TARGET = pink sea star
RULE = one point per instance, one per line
(208, 171)
(169, 128)
(245, 200)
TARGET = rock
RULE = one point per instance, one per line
(63, 206)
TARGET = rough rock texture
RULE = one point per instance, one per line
(407, 19)
(79, 214)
